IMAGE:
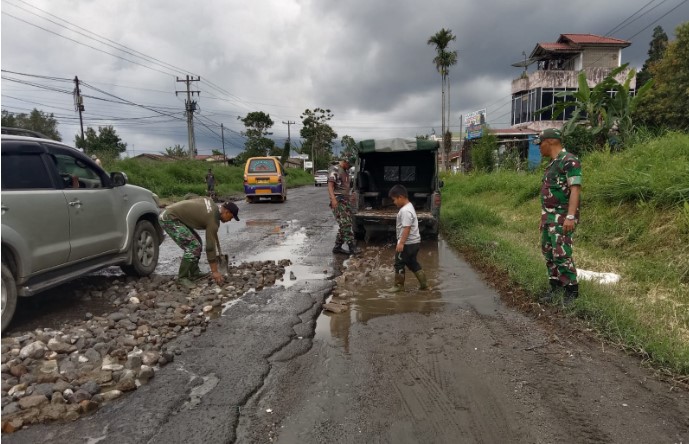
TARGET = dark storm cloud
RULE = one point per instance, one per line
(366, 60)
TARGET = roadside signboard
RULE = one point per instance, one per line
(475, 122)
(308, 164)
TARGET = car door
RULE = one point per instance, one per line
(97, 213)
(35, 216)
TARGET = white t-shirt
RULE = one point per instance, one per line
(406, 217)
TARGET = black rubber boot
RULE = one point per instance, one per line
(353, 248)
(571, 293)
(339, 250)
(551, 295)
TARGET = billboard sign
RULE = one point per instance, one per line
(475, 122)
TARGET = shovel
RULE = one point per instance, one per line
(223, 261)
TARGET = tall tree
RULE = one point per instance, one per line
(656, 51)
(443, 60)
(36, 120)
(667, 103)
(257, 124)
(349, 145)
(318, 136)
(105, 144)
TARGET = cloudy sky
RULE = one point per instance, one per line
(367, 61)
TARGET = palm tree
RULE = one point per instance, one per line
(443, 60)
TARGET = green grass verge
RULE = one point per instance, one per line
(172, 180)
(634, 222)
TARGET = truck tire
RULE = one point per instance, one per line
(145, 250)
(9, 296)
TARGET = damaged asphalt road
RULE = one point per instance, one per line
(449, 365)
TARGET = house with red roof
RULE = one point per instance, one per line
(557, 66)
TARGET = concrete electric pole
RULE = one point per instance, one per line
(79, 106)
(222, 132)
(190, 107)
(289, 137)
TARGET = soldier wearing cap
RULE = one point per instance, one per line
(181, 220)
(560, 195)
(339, 190)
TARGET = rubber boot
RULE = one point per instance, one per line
(550, 296)
(195, 272)
(423, 282)
(571, 293)
(353, 249)
(399, 283)
(338, 249)
(184, 273)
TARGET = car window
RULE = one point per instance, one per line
(262, 166)
(69, 166)
(24, 172)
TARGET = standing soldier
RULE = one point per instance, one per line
(560, 193)
(210, 183)
(339, 189)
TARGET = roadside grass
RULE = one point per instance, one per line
(634, 222)
(173, 180)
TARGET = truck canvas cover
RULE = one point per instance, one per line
(395, 145)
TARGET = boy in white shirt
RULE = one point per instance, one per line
(408, 240)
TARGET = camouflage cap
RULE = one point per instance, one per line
(349, 158)
(550, 133)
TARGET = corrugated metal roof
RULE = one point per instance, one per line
(588, 39)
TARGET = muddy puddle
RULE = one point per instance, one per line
(365, 278)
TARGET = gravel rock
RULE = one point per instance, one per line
(50, 374)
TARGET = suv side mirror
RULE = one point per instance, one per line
(118, 179)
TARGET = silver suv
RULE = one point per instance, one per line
(63, 216)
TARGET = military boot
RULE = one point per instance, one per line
(184, 273)
(423, 282)
(571, 293)
(399, 283)
(551, 295)
(353, 249)
(195, 272)
(338, 249)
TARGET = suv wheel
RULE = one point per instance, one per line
(145, 250)
(9, 296)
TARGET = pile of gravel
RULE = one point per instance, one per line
(60, 374)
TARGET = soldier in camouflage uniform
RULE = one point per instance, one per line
(181, 220)
(339, 189)
(560, 194)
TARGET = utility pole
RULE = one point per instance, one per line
(190, 107)
(289, 137)
(79, 106)
(222, 133)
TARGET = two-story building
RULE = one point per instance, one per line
(558, 65)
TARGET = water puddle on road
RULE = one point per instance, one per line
(365, 278)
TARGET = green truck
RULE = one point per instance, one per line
(383, 163)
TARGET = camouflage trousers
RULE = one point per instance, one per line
(557, 251)
(187, 239)
(343, 216)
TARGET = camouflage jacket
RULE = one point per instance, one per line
(560, 175)
(340, 177)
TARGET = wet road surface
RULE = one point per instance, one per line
(452, 364)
